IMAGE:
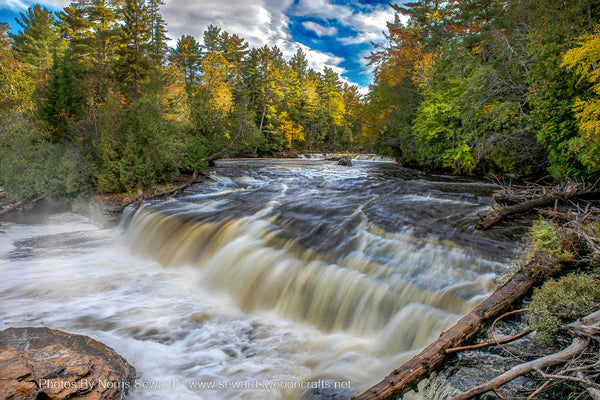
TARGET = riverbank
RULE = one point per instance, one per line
(563, 254)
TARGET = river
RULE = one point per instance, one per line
(276, 279)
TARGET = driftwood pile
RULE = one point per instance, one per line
(512, 200)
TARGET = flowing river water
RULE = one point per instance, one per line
(276, 279)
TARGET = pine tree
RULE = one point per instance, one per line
(212, 39)
(299, 64)
(157, 27)
(38, 41)
(186, 56)
(135, 60)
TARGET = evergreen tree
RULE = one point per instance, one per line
(186, 55)
(135, 55)
(38, 41)
(158, 29)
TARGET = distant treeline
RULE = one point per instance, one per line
(91, 97)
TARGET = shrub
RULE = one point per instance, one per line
(549, 240)
(561, 301)
(32, 166)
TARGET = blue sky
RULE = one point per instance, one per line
(333, 33)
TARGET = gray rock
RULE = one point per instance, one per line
(345, 161)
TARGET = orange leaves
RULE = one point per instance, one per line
(424, 68)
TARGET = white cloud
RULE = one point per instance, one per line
(258, 22)
(323, 9)
(22, 5)
(369, 25)
(13, 5)
(320, 29)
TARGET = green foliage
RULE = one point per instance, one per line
(64, 102)
(31, 166)
(133, 65)
(550, 240)
(111, 105)
(135, 147)
(561, 301)
(186, 56)
(38, 42)
(475, 84)
(583, 60)
(15, 87)
(439, 131)
(148, 152)
(554, 89)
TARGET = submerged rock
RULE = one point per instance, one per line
(42, 363)
(345, 161)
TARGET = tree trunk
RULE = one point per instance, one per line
(262, 120)
(408, 375)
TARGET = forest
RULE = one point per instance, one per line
(93, 99)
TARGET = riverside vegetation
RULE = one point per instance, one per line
(93, 100)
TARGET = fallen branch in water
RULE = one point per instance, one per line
(477, 346)
(408, 375)
(23, 203)
(513, 200)
(176, 190)
(494, 342)
(158, 196)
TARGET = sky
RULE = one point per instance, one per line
(333, 33)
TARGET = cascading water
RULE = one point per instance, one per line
(275, 279)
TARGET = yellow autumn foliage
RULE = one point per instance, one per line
(291, 132)
(583, 60)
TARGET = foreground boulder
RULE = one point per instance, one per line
(42, 363)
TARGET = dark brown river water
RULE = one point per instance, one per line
(276, 279)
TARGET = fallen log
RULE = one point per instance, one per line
(524, 207)
(586, 326)
(161, 195)
(408, 375)
(568, 216)
(23, 203)
(171, 192)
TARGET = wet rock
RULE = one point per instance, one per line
(345, 161)
(42, 363)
